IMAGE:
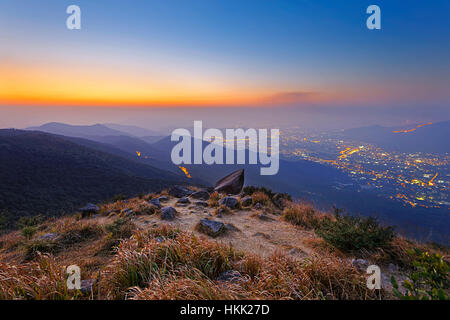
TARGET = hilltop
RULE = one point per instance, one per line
(46, 174)
(191, 243)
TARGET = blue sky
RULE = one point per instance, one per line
(228, 52)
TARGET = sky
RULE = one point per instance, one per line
(137, 61)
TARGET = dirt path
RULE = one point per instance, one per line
(253, 234)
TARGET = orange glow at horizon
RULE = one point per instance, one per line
(56, 84)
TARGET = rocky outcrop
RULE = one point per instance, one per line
(231, 184)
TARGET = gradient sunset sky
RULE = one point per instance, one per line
(224, 53)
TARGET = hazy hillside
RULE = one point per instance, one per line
(77, 131)
(44, 173)
(431, 138)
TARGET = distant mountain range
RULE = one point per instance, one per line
(305, 180)
(427, 137)
(47, 174)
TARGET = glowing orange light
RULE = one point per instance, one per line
(186, 172)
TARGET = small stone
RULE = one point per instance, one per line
(179, 191)
(360, 264)
(86, 286)
(246, 201)
(49, 236)
(184, 200)
(89, 210)
(163, 199)
(200, 195)
(231, 227)
(168, 213)
(230, 202)
(211, 227)
(201, 203)
(392, 268)
(155, 202)
(230, 276)
(257, 206)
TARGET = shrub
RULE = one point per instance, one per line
(303, 215)
(429, 280)
(223, 210)
(29, 231)
(146, 209)
(214, 199)
(29, 221)
(43, 279)
(34, 248)
(350, 233)
(139, 262)
(250, 190)
(121, 228)
(261, 198)
(120, 197)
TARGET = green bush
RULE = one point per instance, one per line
(429, 280)
(28, 231)
(121, 228)
(30, 221)
(350, 233)
(120, 197)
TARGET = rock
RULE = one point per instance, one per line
(89, 210)
(127, 212)
(222, 211)
(246, 201)
(168, 213)
(279, 200)
(257, 206)
(49, 236)
(201, 203)
(231, 227)
(155, 202)
(230, 276)
(392, 268)
(184, 200)
(231, 184)
(179, 191)
(230, 202)
(360, 264)
(163, 199)
(211, 227)
(200, 195)
(261, 234)
(159, 239)
(265, 217)
(86, 286)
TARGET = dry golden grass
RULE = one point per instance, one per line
(42, 279)
(304, 215)
(223, 210)
(214, 199)
(139, 206)
(261, 198)
(186, 267)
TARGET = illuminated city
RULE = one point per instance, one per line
(416, 179)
